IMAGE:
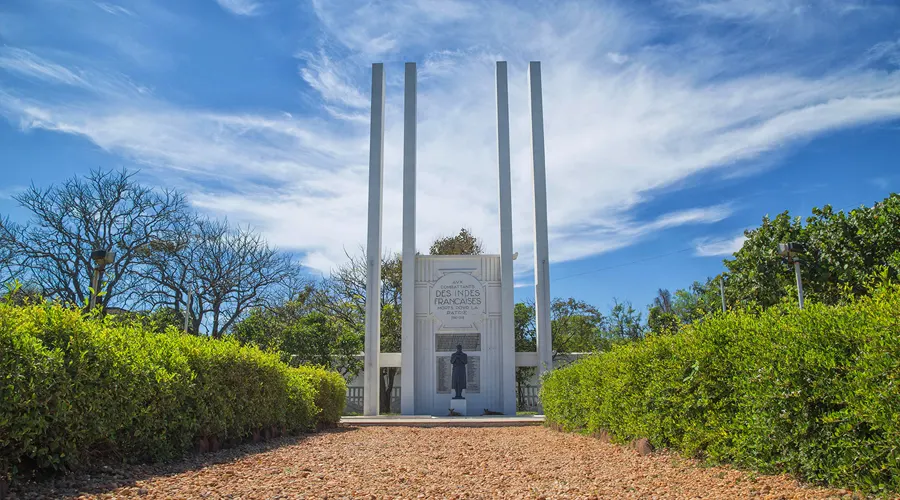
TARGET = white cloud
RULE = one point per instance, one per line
(7, 193)
(114, 9)
(616, 134)
(327, 78)
(240, 7)
(767, 10)
(714, 248)
(617, 58)
(28, 64)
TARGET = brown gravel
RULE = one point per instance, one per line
(408, 462)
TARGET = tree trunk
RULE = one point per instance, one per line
(387, 387)
(215, 325)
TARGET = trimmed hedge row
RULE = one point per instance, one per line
(73, 388)
(814, 392)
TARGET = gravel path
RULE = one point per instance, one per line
(407, 462)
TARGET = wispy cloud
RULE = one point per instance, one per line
(28, 64)
(327, 78)
(240, 7)
(7, 193)
(712, 248)
(618, 131)
(768, 10)
(114, 9)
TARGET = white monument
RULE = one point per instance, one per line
(460, 300)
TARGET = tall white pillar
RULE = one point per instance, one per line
(507, 301)
(408, 321)
(541, 260)
(371, 374)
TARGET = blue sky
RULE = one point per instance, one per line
(671, 125)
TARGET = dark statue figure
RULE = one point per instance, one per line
(458, 376)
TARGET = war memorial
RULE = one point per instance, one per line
(458, 341)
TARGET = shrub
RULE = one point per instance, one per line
(74, 388)
(813, 392)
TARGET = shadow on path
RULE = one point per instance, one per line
(106, 477)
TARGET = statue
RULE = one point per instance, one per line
(458, 376)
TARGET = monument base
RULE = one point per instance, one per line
(459, 406)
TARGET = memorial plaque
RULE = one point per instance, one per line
(444, 374)
(457, 300)
(447, 342)
(473, 375)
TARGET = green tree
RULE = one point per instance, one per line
(303, 335)
(576, 326)
(661, 322)
(624, 322)
(103, 210)
(844, 249)
(464, 243)
(526, 341)
(344, 297)
(692, 303)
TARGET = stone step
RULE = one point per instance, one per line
(430, 421)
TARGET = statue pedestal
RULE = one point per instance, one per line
(458, 405)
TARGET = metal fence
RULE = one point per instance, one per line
(355, 400)
(526, 400)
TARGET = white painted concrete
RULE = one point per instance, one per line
(373, 248)
(392, 360)
(484, 270)
(507, 299)
(429, 421)
(525, 359)
(459, 406)
(496, 356)
(541, 251)
(408, 319)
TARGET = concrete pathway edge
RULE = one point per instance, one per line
(430, 421)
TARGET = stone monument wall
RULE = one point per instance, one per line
(458, 302)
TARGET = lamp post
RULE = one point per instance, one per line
(791, 252)
(101, 258)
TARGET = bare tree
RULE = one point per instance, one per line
(227, 271)
(663, 300)
(104, 210)
(343, 296)
(6, 255)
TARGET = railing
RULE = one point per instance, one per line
(526, 400)
(355, 400)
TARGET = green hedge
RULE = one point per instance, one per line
(74, 388)
(815, 392)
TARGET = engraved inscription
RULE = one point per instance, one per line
(473, 375)
(457, 300)
(443, 374)
(447, 342)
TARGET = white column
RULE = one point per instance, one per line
(371, 375)
(408, 321)
(541, 260)
(507, 305)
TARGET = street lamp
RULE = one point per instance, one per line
(101, 258)
(791, 252)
